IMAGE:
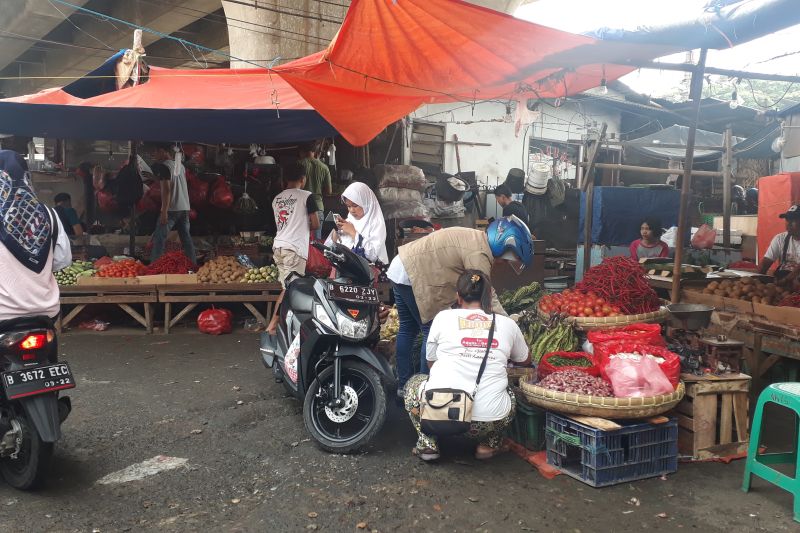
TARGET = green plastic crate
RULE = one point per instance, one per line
(527, 428)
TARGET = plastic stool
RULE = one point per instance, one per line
(786, 395)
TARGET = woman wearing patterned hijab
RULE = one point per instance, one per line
(33, 244)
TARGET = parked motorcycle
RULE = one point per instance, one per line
(323, 354)
(31, 411)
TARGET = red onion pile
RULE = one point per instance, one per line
(576, 382)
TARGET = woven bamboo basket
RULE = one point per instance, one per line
(610, 322)
(581, 404)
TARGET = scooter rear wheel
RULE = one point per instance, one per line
(348, 428)
(28, 470)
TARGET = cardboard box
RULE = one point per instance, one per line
(94, 281)
(180, 278)
(779, 314)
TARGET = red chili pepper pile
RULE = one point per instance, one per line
(793, 300)
(171, 263)
(621, 281)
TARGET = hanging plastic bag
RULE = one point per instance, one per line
(215, 321)
(316, 264)
(637, 376)
(221, 194)
(704, 237)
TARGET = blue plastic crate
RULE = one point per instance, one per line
(601, 458)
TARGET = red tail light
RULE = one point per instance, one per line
(34, 341)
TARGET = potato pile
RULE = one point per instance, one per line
(224, 269)
(749, 289)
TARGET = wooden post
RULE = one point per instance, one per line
(727, 174)
(134, 160)
(588, 187)
(696, 94)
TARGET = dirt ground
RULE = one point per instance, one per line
(250, 467)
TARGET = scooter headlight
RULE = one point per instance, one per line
(322, 315)
(353, 329)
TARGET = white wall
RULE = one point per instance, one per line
(484, 123)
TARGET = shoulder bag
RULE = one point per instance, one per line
(446, 412)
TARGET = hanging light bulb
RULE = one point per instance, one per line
(734, 99)
(603, 87)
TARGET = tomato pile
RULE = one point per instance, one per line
(127, 268)
(576, 303)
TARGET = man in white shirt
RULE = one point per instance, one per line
(174, 203)
(296, 217)
(785, 249)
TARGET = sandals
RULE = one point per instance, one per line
(483, 455)
(426, 454)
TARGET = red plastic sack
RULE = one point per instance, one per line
(316, 264)
(669, 362)
(633, 377)
(545, 368)
(215, 321)
(198, 190)
(634, 333)
(704, 238)
(221, 195)
(106, 201)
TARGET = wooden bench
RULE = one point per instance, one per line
(123, 296)
(247, 294)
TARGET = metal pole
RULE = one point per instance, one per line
(696, 94)
(727, 174)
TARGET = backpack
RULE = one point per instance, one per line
(129, 186)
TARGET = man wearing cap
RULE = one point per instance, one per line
(785, 248)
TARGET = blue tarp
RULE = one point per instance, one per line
(618, 212)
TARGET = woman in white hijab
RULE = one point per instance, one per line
(364, 229)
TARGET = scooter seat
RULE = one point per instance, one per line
(300, 295)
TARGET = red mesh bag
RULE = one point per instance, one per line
(546, 368)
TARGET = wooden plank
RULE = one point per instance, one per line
(685, 407)
(253, 311)
(148, 317)
(118, 299)
(725, 418)
(596, 422)
(185, 311)
(230, 298)
(425, 158)
(741, 416)
(768, 363)
(167, 317)
(133, 313)
(707, 388)
(691, 378)
(72, 314)
(430, 148)
(428, 129)
(705, 421)
(685, 422)
(686, 442)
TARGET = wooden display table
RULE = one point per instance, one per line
(247, 294)
(771, 342)
(121, 295)
(712, 412)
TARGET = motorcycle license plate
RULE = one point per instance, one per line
(353, 293)
(39, 380)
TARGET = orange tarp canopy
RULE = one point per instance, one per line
(391, 56)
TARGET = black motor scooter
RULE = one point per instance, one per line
(323, 354)
(31, 411)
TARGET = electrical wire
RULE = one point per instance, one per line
(66, 17)
(156, 32)
(770, 106)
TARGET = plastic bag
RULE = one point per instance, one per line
(198, 191)
(668, 361)
(96, 325)
(637, 376)
(215, 321)
(546, 368)
(636, 333)
(316, 264)
(704, 237)
(221, 195)
(401, 176)
(394, 194)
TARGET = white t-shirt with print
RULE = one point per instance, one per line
(457, 342)
(291, 219)
(775, 251)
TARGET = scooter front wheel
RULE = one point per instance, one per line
(346, 427)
